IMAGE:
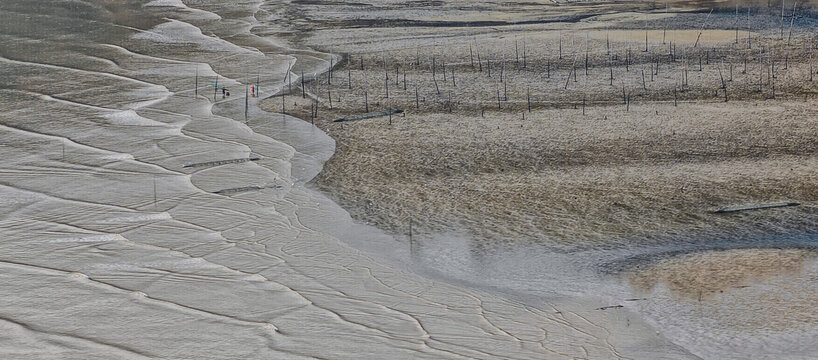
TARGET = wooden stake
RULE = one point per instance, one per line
(702, 28)
(568, 79)
(782, 20)
(628, 60)
(548, 69)
(675, 97)
(792, 20)
(749, 43)
(528, 97)
(723, 84)
(411, 242)
(586, 54)
(479, 63)
(628, 106)
(516, 55)
(646, 41)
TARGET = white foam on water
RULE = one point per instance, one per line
(180, 33)
(117, 157)
(100, 238)
(191, 12)
(131, 118)
(136, 218)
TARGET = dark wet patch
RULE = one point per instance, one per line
(675, 248)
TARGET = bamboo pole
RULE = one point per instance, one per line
(528, 97)
(792, 21)
(516, 55)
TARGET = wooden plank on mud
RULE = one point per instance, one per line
(737, 208)
(222, 162)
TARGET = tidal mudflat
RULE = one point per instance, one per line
(583, 149)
